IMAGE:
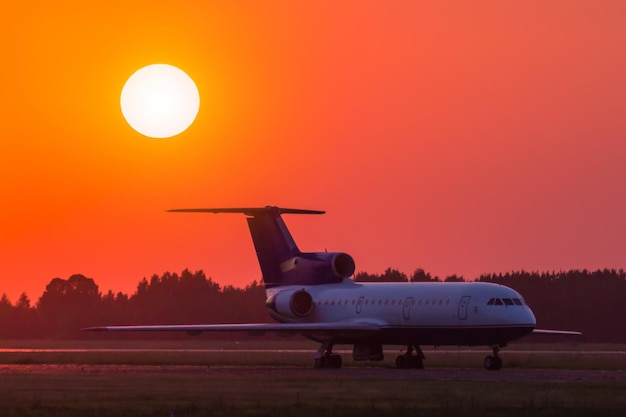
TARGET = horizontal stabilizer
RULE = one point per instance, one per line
(248, 211)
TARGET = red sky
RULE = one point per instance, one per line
(458, 137)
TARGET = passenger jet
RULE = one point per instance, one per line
(311, 293)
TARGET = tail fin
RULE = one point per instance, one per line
(273, 243)
(280, 260)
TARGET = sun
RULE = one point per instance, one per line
(160, 101)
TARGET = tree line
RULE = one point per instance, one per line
(593, 302)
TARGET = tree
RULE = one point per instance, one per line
(393, 275)
(68, 305)
(6, 313)
(390, 275)
(420, 276)
(454, 278)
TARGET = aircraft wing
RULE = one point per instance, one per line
(343, 328)
(557, 332)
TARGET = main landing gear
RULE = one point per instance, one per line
(408, 360)
(493, 363)
(325, 358)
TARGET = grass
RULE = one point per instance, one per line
(283, 384)
(272, 393)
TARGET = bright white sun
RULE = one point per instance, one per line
(160, 101)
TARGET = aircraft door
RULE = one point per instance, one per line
(359, 305)
(406, 311)
(463, 304)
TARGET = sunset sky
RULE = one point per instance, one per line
(461, 137)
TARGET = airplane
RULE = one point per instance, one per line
(311, 294)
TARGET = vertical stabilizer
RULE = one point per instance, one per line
(273, 243)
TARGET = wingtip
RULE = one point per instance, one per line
(93, 329)
(549, 332)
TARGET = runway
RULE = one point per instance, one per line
(348, 372)
(305, 351)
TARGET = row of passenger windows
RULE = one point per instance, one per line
(504, 302)
(386, 302)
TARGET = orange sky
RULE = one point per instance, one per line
(459, 137)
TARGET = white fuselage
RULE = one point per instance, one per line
(436, 313)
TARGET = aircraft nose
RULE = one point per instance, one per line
(529, 317)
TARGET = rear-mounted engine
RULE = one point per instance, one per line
(343, 265)
(292, 303)
(317, 264)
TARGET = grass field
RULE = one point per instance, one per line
(243, 380)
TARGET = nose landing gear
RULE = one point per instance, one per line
(493, 363)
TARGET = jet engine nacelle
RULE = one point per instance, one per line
(292, 303)
(338, 264)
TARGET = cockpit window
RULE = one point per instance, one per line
(505, 302)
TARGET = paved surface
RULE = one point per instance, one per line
(441, 374)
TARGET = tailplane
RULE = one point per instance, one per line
(281, 262)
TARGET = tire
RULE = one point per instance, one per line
(320, 363)
(335, 361)
(401, 362)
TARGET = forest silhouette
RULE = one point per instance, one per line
(593, 302)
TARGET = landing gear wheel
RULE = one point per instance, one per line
(408, 360)
(328, 361)
(320, 363)
(334, 361)
(325, 358)
(493, 363)
(402, 362)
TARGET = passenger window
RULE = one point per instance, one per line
(380, 301)
(440, 302)
(353, 301)
(517, 301)
(386, 302)
(498, 302)
(508, 301)
(447, 302)
(367, 302)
